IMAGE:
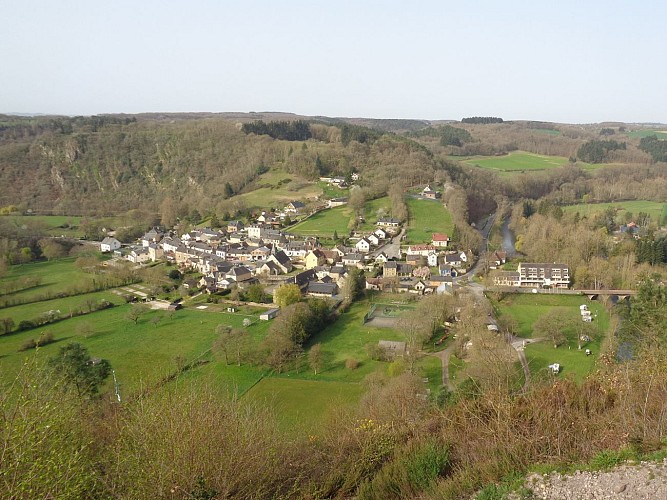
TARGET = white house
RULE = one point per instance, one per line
(363, 246)
(109, 244)
(373, 239)
(432, 259)
(380, 233)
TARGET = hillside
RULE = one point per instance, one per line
(107, 164)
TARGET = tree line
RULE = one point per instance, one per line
(297, 130)
(483, 120)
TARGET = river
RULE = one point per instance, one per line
(508, 239)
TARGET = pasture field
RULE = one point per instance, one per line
(302, 406)
(58, 225)
(276, 188)
(345, 339)
(65, 305)
(427, 217)
(522, 162)
(337, 219)
(653, 208)
(55, 276)
(325, 222)
(140, 353)
(660, 134)
(526, 309)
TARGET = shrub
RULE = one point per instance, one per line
(44, 338)
(26, 324)
(351, 364)
(28, 344)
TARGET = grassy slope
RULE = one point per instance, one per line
(427, 217)
(56, 276)
(139, 353)
(653, 208)
(303, 405)
(271, 190)
(337, 219)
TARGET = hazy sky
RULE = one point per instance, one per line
(554, 60)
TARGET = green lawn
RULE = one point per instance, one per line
(302, 406)
(427, 217)
(526, 309)
(653, 208)
(521, 161)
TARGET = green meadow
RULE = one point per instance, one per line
(660, 134)
(653, 208)
(55, 276)
(337, 219)
(427, 217)
(276, 188)
(526, 309)
(522, 162)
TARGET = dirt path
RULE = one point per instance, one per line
(444, 361)
(646, 480)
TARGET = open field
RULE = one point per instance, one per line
(660, 134)
(65, 305)
(427, 217)
(521, 162)
(303, 405)
(573, 362)
(140, 353)
(526, 309)
(55, 276)
(347, 338)
(276, 188)
(337, 219)
(653, 208)
(57, 225)
(324, 223)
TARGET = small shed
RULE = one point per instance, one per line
(268, 315)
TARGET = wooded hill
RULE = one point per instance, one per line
(198, 161)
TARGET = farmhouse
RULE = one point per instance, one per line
(234, 226)
(294, 207)
(316, 289)
(109, 244)
(430, 193)
(392, 269)
(421, 249)
(440, 240)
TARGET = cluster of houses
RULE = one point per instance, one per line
(239, 255)
(428, 268)
(535, 275)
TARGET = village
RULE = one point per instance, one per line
(239, 255)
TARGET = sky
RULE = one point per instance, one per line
(583, 61)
